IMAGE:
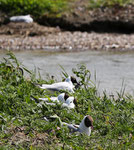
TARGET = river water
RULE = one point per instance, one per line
(114, 71)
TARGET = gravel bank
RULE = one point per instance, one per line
(36, 37)
(68, 41)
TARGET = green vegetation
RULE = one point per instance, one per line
(22, 123)
(52, 7)
(33, 7)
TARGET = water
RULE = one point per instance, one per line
(111, 69)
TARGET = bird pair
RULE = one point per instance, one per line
(68, 85)
(63, 98)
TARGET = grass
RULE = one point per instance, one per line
(51, 8)
(33, 7)
(22, 123)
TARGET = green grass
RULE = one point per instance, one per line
(51, 8)
(33, 7)
(22, 124)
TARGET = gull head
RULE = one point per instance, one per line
(88, 121)
(74, 81)
(66, 96)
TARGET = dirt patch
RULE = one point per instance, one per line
(115, 19)
(19, 136)
(26, 29)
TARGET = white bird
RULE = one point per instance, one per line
(69, 102)
(85, 126)
(66, 85)
(61, 98)
(25, 18)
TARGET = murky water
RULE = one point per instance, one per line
(112, 69)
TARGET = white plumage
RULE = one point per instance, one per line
(69, 103)
(85, 126)
(66, 85)
(60, 98)
(25, 18)
(64, 99)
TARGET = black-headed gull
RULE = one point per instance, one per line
(70, 102)
(61, 98)
(66, 85)
(25, 18)
(64, 99)
(85, 126)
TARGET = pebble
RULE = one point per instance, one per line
(68, 41)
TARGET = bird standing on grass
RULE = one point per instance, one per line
(85, 126)
(68, 85)
(61, 98)
(66, 101)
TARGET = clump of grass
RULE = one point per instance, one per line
(33, 7)
(22, 123)
(50, 7)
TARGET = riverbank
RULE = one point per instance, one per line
(79, 28)
(23, 36)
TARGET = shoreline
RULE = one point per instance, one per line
(80, 29)
(66, 41)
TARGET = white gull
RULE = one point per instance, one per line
(25, 18)
(85, 126)
(68, 102)
(66, 85)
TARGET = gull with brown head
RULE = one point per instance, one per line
(67, 85)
